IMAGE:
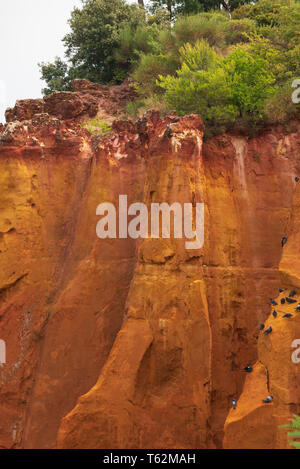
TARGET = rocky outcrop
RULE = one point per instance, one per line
(87, 100)
(123, 343)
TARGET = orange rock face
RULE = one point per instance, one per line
(277, 370)
(123, 343)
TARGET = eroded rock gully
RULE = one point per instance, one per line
(123, 343)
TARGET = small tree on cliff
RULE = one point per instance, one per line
(57, 75)
(92, 43)
(94, 37)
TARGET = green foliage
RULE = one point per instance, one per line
(56, 75)
(277, 20)
(95, 35)
(214, 27)
(137, 108)
(208, 26)
(163, 57)
(265, 12)
(135, 43)
(92, 43)
(150, 66)
(170, 5)
(295, 434)
(188, 56)
(201, 86)
(244, 78)
(96, 127)
(251, 82)
(280, 108)
(220, 89)
(188, 7)
(133, 108)
(238, 31)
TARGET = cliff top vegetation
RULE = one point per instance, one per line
(233, 62)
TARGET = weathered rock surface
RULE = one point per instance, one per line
(123, 343)
(87, 100)
(255, 424)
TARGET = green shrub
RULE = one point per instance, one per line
(231, 72)
(154, 51)
(295, 434)
(137, 108)
(280, 108)
(209, 26)
(282, 16)
(149, 68)
(220, 89)
(251, 82)
(177, 7)
(239, 31)
(133, 108)
(134, 43)
(199, 57)
(91, 44)
(56, 75)
(264, 12)
(96, 127)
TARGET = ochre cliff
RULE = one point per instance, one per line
(123, 343)
(254, 424)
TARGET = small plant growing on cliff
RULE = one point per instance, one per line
(133, 108)
(137, 108)
(295, 434)
(96, 127)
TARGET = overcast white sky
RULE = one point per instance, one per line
(30, 32)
